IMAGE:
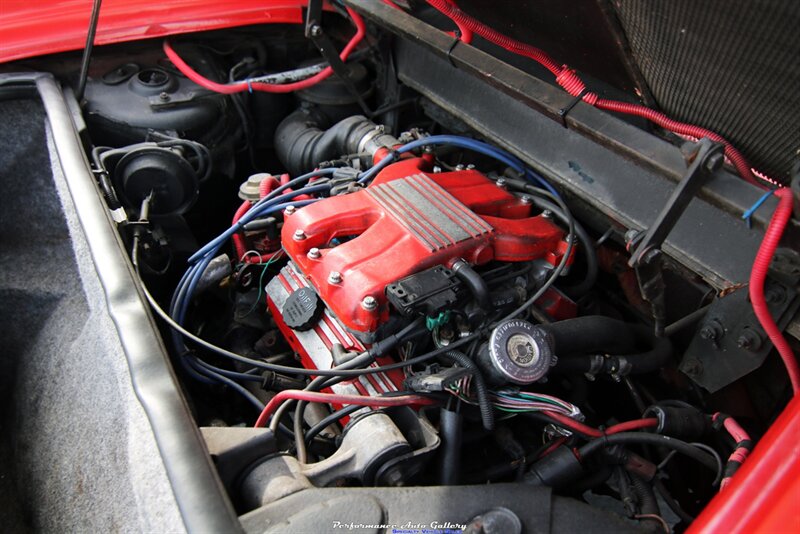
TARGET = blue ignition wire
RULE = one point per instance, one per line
(228, 382)
(275, 202)
(462, 142)
(253, 213)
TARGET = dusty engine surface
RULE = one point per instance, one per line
(361, 290)
(394, 249)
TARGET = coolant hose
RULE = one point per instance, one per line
(596, 344)
(481, 390)
(591, 334)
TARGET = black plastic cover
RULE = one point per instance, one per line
(425, 292)
(302, 309)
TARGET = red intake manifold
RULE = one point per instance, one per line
(351, 247)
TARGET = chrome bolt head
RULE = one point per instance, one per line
(314, 254)
(369, 303)
(335, 277)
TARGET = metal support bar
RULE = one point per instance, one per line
(705, 158)
(315, 32)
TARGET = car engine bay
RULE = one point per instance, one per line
(387, 304)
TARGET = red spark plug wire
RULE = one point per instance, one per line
(239, 87)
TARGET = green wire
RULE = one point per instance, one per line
(261, 285)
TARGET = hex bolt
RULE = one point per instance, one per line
(164, 96)
(369, 303)
(650, 256)
(314, 254)
(547, 214)
(712, 330)
(289, 210)
(708, 333)
(393, 477)
(335, 277)
(316, 31)
(299, 235)
(437, 169)
(470, 167)
(526, 199)
(749, 340)
(631, 236)
(501, 182)
(714, 162)
(774, 294)
(460, 167)
(693, 367)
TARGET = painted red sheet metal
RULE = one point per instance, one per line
(34, 28)
(764, 495)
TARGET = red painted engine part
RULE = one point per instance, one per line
(315, 345)
(406, 221)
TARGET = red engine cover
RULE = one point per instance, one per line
(408, 220)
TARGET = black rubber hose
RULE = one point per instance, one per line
(451, 425)
(587, 247)
(592, 481)
(627, 438)
(301, 142)
(590, 335)
(644, 362)
(476, 284)
(624, 362)
(481, 390)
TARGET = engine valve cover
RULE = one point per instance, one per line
(351, 247)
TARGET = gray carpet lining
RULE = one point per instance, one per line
(77, 453)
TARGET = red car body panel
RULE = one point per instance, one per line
(764, 495)
(34, 28)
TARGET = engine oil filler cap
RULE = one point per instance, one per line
(302, 309)
(520, 351)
